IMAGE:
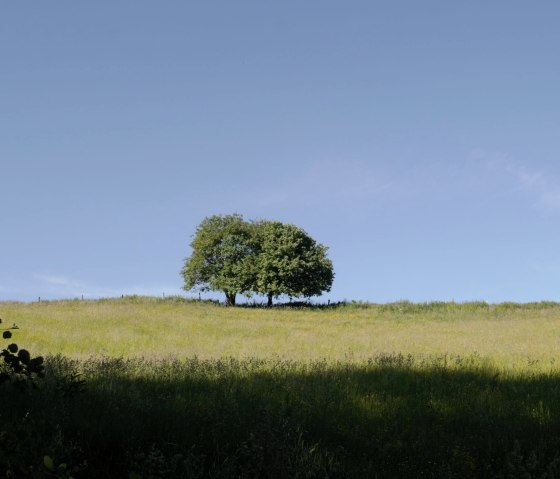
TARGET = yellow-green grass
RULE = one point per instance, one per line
(398, 390)
(503, 335)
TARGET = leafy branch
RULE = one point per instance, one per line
(19, 367)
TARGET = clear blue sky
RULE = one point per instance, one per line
(420, 141)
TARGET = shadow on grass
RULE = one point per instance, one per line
(398, 307)
(390, 417)
(408, 307)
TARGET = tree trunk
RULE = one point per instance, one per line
(230, 298)
(269, 303)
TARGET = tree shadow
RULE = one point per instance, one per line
(294, 305)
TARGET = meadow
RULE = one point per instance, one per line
(152, 388)
(507, 335)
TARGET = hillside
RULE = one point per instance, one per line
(506, 334)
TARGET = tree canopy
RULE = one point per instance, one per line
(290, 262)
(271, 258)
(222, 255)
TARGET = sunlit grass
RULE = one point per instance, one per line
(506, 335)
(194, 389)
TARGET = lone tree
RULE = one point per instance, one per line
(266, 257)
(288, 261)
(222, 257)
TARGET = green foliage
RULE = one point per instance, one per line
(265, 257)
(21, 435)
(221, 258)
(18, 366)
(290, 262)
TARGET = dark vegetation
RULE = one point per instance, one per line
(392, 416)
(403, 306)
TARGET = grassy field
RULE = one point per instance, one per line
(189, 389)
(506, 335)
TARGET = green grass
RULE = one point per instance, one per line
(506, 335)
(190, 389)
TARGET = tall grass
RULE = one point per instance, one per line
(508, 335)
(192, 389)
(390, 416)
